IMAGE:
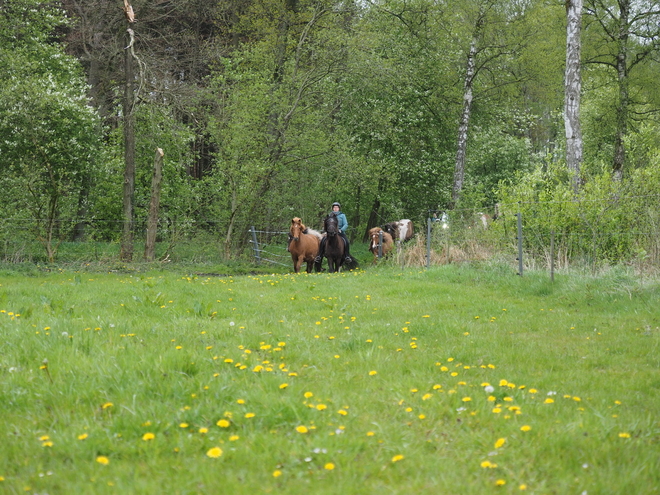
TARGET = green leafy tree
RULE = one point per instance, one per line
(50, 134)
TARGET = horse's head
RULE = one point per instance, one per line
(330, 225)
(374, 235)
(391, 228)
(297, 227)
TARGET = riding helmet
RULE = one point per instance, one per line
(336, 204)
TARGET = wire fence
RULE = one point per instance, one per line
(527, 235)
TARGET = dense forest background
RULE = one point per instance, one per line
(269, 109)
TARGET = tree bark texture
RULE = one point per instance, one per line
(126, 253)
(152, 221)
(572, 89)
(624, 99)
(463, 126)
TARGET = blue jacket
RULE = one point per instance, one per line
(342, 223)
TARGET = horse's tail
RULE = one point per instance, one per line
(315, 233)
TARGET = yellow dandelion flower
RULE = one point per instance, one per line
(233, 438)
(427, 396)
(307, 395)
(523, 487)
(214, 452)
(525, 428)
(250, 415)
(624, 435)
(301, 429)
(283, 385)
(370, 433)
(223, 423)
(83, 436)
(48, 443)
(240, 401)
(437, 387)
(548, 401)
(533, 391)
(321, 407)
(329, 466)
(277, 473)
(500, 442)
(500, 483)
(148, 436)
(373, 372)
(183, 425)
(397, 458)
(466, 399)
(343, 412)
(103, 460)
(203, 430)
(107, 405)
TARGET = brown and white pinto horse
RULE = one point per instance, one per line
(304, 245)
(375, 243)
(400, 231)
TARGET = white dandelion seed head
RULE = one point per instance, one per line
(231, 323)
(489, 389)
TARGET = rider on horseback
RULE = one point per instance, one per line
(343, 225)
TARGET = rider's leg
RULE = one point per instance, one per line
(347, 256)
(319, 256)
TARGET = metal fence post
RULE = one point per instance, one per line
(380, 245)
(428, 242)
(552, 255)
(255, 244)
(520, 245)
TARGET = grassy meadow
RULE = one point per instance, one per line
(452, 380)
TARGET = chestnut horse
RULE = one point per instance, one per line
(375, 244)
(303, 245)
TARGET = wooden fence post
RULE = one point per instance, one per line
(152, 220)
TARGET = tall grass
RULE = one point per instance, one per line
(363, 382)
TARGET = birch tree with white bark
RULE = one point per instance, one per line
(572, 90)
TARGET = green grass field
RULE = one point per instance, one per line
(452, 380)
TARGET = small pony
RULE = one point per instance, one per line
(375, 245)
(303, 244)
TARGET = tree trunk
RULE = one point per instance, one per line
(129, 150)
(572, 89)
(152, 221)
(463, 126)
(624, 100)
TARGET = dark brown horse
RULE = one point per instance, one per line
(304, 245)
(334, 244)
